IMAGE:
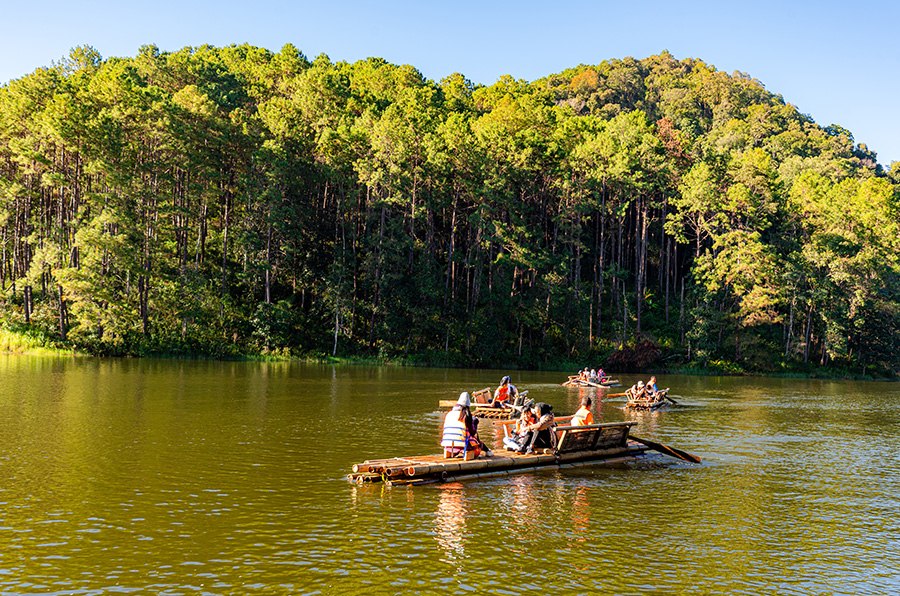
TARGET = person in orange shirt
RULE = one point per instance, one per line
(583, 415)
(504, 393)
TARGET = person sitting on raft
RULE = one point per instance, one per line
(651, 389)
(601, 375)
(505, 392)
(542, 432)
(637, 391)
(516, 440)
(461, 431)
(593, 376)
(583, 415)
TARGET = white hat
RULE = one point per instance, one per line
(464, 399)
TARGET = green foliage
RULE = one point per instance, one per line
(227, 201)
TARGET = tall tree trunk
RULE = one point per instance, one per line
(807, 334)
(681, 314)
(600, 261)
(789, 332)
(28, 304)
(226, 226)
(268, 276)
(450, 282)
(379, 253)
(63, 315)
(642, 262)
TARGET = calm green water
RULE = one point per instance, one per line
(182, 477)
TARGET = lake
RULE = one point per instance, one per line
(174, 477)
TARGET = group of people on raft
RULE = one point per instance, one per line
(593, 375)
(534, 429)
(649, 392)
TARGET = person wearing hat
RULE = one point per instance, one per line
(637, 390)
(460, 436)
(505, 392)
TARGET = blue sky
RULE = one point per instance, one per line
(839, 62)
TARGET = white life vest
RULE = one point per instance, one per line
(454, 430)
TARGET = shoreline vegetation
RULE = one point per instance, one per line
(234, 202)
(22, 344)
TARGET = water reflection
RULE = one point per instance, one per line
(450, 521)
(581, 514)
(648, 421)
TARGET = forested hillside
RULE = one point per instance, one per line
(226, 201)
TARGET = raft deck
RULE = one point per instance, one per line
(576, 445)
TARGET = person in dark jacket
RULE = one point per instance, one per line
(541, 433)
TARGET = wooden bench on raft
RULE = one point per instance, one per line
(589, 437)
(485, 397)
(482, 396)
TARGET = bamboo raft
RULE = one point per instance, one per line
(576, 445)
(647, 403)
(576, 381)
(481, 406)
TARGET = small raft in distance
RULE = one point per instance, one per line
(576, 381)
(576, 445)
(481, 405)
(648, 403)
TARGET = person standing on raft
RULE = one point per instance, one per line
(460, 436)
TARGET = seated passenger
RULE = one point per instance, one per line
(593, 376)
(541, 433)
(637, 391)
(516, 440)
(601, 375)
(505, 392)
(651, 389)
(460, 435)
(583, 415)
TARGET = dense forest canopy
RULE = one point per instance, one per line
(233, 200)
